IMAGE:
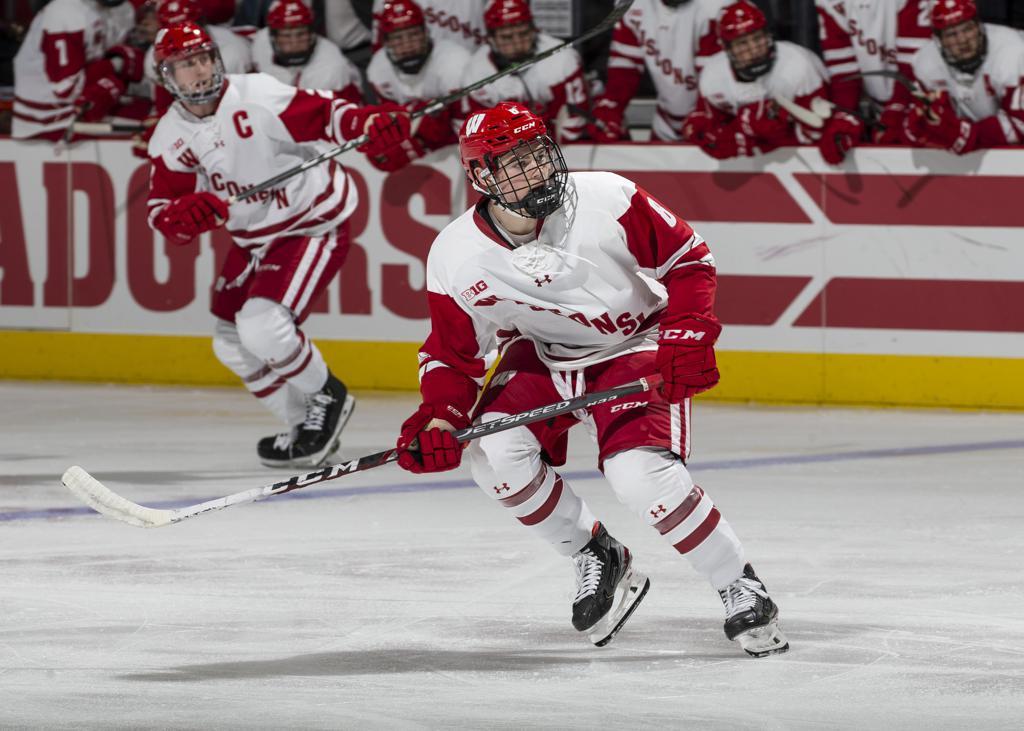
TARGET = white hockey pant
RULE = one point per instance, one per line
(507, 466)
(655, 484)
(273, 357)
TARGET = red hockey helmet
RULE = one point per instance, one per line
(743, 31)
(169, 12)
(291, 32)
(740, 19)
(289, 14)
(960, 34)
(511, 159)
(180, 42)
(502, 13)
(399, 15)
(947, 13)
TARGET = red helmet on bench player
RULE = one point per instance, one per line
(291, 32)
(743, 31)
(403, 32)
(510, 158)
(189, 64)
(960, 34)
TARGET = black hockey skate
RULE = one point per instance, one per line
(276, 451)
(751, 617)
(327, 412)
(608, 588)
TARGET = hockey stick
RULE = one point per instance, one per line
(99, 128)
(104, 500)
(605, 25)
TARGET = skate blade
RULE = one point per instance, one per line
(627, 599)
(318, 458)
(763, 641)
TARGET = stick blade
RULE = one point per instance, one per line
(103, 500)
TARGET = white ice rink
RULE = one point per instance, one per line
(893, 542)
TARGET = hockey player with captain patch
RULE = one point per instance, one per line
(582, 282)
(226, 133)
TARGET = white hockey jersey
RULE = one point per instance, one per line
(327, 68)
(235, 52)
(585, 292)
(457, 21)
(49, 68)
(797, 75)
(674, 44)
(440, 75)
(870, 35)
(553, 88)
(261, 128)
(994, 90)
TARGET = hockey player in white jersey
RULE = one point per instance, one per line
(289, 50)
(583, 281)
(736, 114)
(74, 60)
(673, 39)
(412, 69)
(553, 88)
(226, 133)
(974, 75)
(457, 21)
(881, 35)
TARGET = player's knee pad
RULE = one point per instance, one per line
(506, 462)
(228, 348)
(267, 329)
(646, 478)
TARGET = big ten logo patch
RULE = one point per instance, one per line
(468, 294)
(628, 405)
(501, 378)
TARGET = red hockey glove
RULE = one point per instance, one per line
(938, 125)
(840, 135)
(608, 123)
(386, 124)
(398, 157)
(99, 98)
(184, 218)
(437, 451)
(128, 62)
(696, 127)
(720, 144)
(764, 121)
(686, 355)
(890, 125)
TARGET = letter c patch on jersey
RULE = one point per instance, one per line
(239, 118)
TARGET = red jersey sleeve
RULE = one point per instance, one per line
(840, 60)
(662, 241)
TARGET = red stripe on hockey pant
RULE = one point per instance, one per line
(302, 366)
(547, 508)
(262, 372)
(308, 280)
(681, 513)
(703, 531)
(263, 393)
(527, 492)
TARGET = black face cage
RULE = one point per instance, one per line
(755, 69)
(296, 58)
(529, 194)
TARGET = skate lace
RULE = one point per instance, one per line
(588, 573)
(316, 411)
(741, 595)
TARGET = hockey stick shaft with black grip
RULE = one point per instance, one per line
(604, 26)
(104, 500)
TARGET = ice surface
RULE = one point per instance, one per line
(892, 541)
